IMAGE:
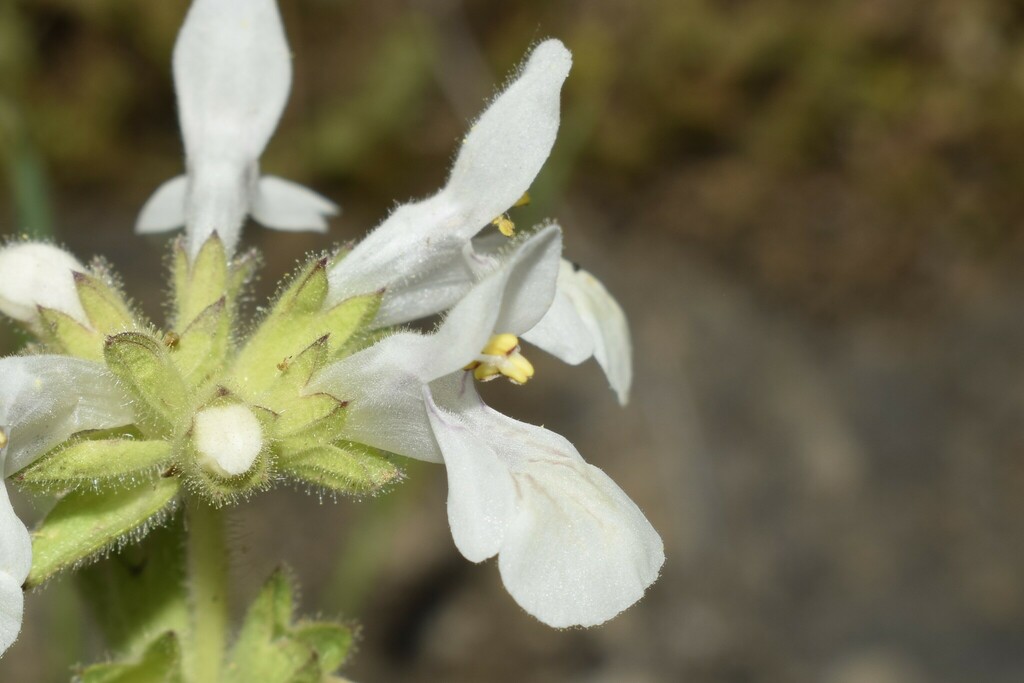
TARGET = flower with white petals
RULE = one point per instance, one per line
(43, 401)
(232, 73)
(213, 408)
(424, 257)
(421, 255)
(573, 549)
(36, 275)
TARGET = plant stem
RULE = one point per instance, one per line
(208, 578)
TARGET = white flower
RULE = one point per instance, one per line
(43, 401)
(232, 73)
(573, 549)
(583, 321)
(422, 255)
(34, 275)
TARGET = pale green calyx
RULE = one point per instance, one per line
(216, 416)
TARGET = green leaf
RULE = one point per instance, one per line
(105, 307)
(84, 523)
(140, 590)
(147, 372)
(349, 468)
(88, 462)
(270, 615)
(263, 651)
(160, 663)
(197, 285)
(331, 642)
(70, 337)
(201, 349)
(282, 661)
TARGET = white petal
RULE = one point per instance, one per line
(46, 399)
(532, 281)
(414, 240)
(481, 492)
(561, 332)
(500, 158)
(165, 209)
(217, 201)
(227, 438)
(232, 75)
(578, 551)
(34, 274)
(12, 605)
(15, 543)
(428, 293)
(15, 563)
(508, 145)
(284, 205)
(383, 388)
(383, 383)
(511, 299)
(606, 321)
(595, 314)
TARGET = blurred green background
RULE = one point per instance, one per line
(812, 213)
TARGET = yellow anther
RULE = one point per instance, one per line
(485, 372)
(501, 356)
(505, 225)
(3, 438)
(501, 345)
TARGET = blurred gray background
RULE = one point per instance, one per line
(812, 214)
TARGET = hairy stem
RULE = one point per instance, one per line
(207, 578)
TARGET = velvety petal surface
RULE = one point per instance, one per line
(15, 563)
(586, 320)
(165, 209)
(232, 76)
(46, 399)
(576, 551)
(481, 491)
(499, 159)
(34, 274)
(283, 205)
(383, 383)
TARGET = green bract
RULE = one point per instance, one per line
(270, 647)
(121, 482)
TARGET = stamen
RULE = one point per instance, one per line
(505, 225)
(501, 356)
(3, 438)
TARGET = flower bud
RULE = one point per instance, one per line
(227, 439)
(34, 274)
